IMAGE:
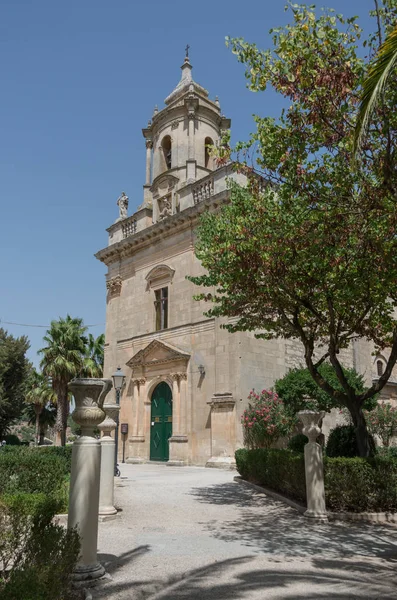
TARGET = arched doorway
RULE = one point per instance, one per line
(160, 422)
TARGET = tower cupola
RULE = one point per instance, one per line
(179, 135)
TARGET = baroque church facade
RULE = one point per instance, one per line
(187, 378)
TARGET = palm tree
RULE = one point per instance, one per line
(47, 418)
(93, 362)
(374, 85)
(39, 395)
(63, 359)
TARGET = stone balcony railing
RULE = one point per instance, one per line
(203, 190)
(128, 226)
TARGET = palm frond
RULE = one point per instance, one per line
(374, 86)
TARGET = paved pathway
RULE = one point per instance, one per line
(192, 533)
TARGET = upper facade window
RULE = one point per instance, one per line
(159, 281)
(379, 368)
(161, 307)
(208, 160)
(166, 146)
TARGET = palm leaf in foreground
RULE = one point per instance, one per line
(374, 86)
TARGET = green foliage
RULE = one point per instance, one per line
(94, 358)
(298, 383)
(388, 451)
(279, 470)
(379, 74)
(351, 484)
(296, 253)
(37, 556)
(40, 398)
(35, 471)
(342, 442)
(265, 420)
(14, 372)
(382, 421)
(358, 485)
(63, 359)
(298, 442)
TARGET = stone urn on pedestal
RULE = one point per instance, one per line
(108, 449)
(314, 471)
(89, 395)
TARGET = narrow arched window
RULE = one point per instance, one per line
(379, 368)
(167, 151)
(207, 157)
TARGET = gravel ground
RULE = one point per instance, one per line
(193, 533)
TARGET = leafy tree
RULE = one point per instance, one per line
(14, 371)
(298, 386)
(307, 249)
(39, 396)
(94, 359)
(63, 359)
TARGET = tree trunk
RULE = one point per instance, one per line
(362, 435)
(42, 435)
(62, 414)
(37, 410)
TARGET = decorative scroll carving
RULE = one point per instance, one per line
(175, 124)
(114, 285)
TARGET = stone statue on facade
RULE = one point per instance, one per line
(122, 203)
(166, 209)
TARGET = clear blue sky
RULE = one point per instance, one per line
(79, 80)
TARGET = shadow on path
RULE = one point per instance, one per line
(225, 580)
(269, 526)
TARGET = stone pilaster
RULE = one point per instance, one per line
(314, 471)
(149, 146)
(136, 442)
(178, 442)
(223, 431)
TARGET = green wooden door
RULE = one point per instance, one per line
(161, 422)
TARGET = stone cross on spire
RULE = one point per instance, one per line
(187, 50)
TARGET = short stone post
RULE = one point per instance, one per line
(108, 448)
(89, 395)
(314, 471)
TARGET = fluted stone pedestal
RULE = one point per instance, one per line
(108, 449)
(314, 471)
(89, 395)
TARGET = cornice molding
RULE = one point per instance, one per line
(174, 223)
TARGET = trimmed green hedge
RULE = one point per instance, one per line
(35, 471)
(351, 484)
(280, 470)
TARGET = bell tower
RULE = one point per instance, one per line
(177, 142)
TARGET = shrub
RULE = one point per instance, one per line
(382, 421)
(361, 484)
(298, 442)
(265, 420)
(279, 470)
(38, 557)
(11, 439)
(33, 470)
(342, 442)
(388, 451)
(351, 484)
